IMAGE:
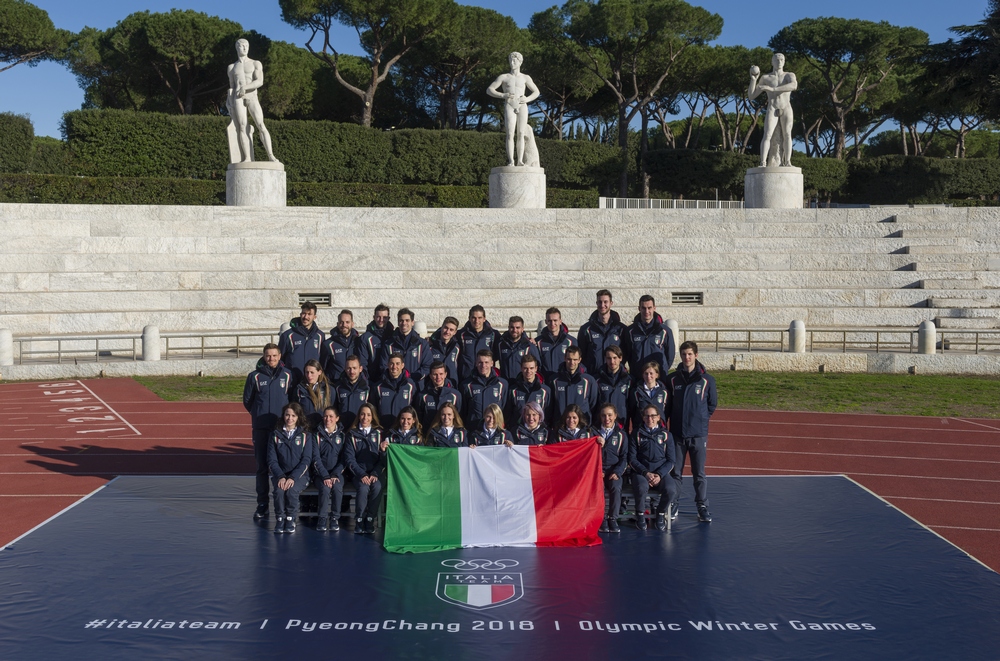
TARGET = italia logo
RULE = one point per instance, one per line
(479, 584)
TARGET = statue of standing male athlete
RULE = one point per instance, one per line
(778, 85)
(515, 111)
(246, 76)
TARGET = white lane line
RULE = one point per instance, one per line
(56, 455)
(855, 456)
(853, 472)
(847, 424)
(945, 500)
(54, 516)
(108, 406)
(971, 422)
(965, 528)
(93, 473)
(841, 439)
(42, 495)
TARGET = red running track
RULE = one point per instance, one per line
(61, 440)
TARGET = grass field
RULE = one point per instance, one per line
(931, 395)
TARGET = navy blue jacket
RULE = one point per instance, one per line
(522, 392)
(639, 399)
(298, 345)
(613, 388)
(614, 454)
(335, 352)
(350, 397)
(594, 337)
(509, 354)
(362, 454)
(416, 354)
(314, 416)
(391, 396)
(499, 437)
(266, 393)
(553, 351)
(562, 434)
(478, 393)
(578, 388)
(430, 399)
(289, 454)
(651, 451)
(371, 349)
(646, 342)
(410, 437)
(329, 457)
(459, 438)
(446, 353)
(470, 343)
(537, 436)
(692, 399)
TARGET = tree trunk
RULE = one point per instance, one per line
(902, 136)
(839, 134)
(643, 149)
(623, 145)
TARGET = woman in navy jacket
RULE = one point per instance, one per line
(447, 430)
(314, 393)
(573, 426)
(532, 430)
(406, 430)
(647, 390)
(289, 454)
(614, 459)
(328, 467)
(366, 460)
(492, 432)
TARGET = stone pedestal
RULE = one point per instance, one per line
(517, 187)
(773, 188)
(255, 184)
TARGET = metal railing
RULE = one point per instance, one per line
(842, 340)
(643, 203)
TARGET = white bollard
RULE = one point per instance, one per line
(797, 337)
(6, 347)
(150, 343)
(285, 326)
(926, 337)
(421, 328)
(674, 329)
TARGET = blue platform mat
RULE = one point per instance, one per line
(791, 568)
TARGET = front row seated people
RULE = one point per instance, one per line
(651, 457)
(366, 461)
(574, 426)
(492, 431)
(447, 430)
(532, 431)
(614, 460)
(289, 455)
(328, 468)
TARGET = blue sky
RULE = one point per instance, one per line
(47, 91)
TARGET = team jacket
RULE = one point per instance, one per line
(478, 393)
(537, 436)
(314, 416)
(371, 348)
(509, 354)
(594, 337)
(266, 393)
(446, 353)
(289, 454)
(470, 343)
(613, 388)
(691, 401)
(639, 399)
(430, 399)
(577, 388)
(335, 352)
(329, 457)
(458, 438)
(362, 453)
(416, 354)
(297, 345)
(562, 434)
(651, 451)
(498, 437)
(553, 351)
(614, 454)
(350, 397)
(410, 437)
(646, 342)
(393, 395)
(522, 392)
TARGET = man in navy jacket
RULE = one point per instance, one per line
(552, 344)
(527, 387)
(648, 339)
(434, 392)
(514, 345)
(483, 389)
(691, 401)
(445, 348)
(343, 341)
(378, 331)
(264, 395)
(416, 351)
(572, 386)
(302, 342)
(476, 336)
(604, 329)
(394, 392)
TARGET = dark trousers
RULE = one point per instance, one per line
(260, 439)
(367, 499)
(642, 487)
(286, 503)
(614, 489)
(337, 491)
(695, 447)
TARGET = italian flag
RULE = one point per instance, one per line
(445, 498)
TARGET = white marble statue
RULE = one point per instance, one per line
(776, 146)
(246, 76)
(515, 111)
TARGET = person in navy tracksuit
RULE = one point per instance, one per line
(378, 331)
(265, 394)
(343, 341)
(447, 430)
(476, 336)
(648, 339)
(394, 392)
(651, 457)
(532, 430)
(648, 390)
(302, 342)
(289, 455)
(604, 329)
(351, 391)
(483, 389)
(552, 343)
(614, 459)
(492, 431)
(329, 459)
(573, 426)
(514, 346)
(527, 387)
(434, 392)
(406, 431)
(445, 348)
(572, 386)
(692, 399)
(613, 383)
(314, 393)
(416, 351)
(366, 460)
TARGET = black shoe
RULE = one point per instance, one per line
(279, 525)
(675, 509)
(661, 522)
(613, 525)
(290, 524)
(359, 526)
(604, 526)
(370, 526)
(640, 521)
(704, 515)
(334, 524)
(321, 524)
(261, 513)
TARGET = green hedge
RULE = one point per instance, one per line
(50, 156)
(16, 137)
(916, 180)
